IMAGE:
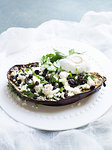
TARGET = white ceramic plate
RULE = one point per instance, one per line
(63, 117)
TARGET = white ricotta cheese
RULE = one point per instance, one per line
(35, 79)
(70, 93)
(75, 61)
(23, 87)
(85, 86)
(63, 74)
(76, 90)
(63, 81)
(90, 82)
(22, 78)
(55, 91)
(47, 90)
(35, 68)
(38, 87)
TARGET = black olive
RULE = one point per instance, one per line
(92, 87)
(74, 74)
(71, 82)
(37, 72)
(60, 84)
(26, 80)
(80, 77)
(44, 72)
(35, 96)
(32, 65)
(65, 95)
(36, 83)
(22, 74)
(19, 81)
(30, 76)
(83, 81)
(47, 78)
(53, 83)
(68, 77)
(54, 87)
(32, 90)
(64, 90)
(12, 78)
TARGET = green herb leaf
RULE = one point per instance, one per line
(31, 86)
(58, 55)
(39, 77)
(86, 75)
(27, 69)
(61, 89)
(28, 93)
(91, 76)
(77, 72)
(46, 58)
(40, 92)
(71, 51)
(29, 63)
(44, 81)
(52, 79)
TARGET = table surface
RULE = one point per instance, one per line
(32, 13)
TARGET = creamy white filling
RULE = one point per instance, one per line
(20, 77)
(38, 87)
(85, 86)
(35, 79)
(90, 82)
(63, 74)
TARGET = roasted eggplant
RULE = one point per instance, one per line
(37, 83)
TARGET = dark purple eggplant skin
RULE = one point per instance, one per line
(61, 102)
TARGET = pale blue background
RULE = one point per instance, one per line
(31, 13)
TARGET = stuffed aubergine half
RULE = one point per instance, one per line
(48, 84)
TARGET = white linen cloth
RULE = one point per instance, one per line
(94, 29)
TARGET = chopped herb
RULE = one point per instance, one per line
(71, 51)
(20, 70)
(40, 92)
(44, 81)
(70, 75)
(29, 63)
(28, 93)
(52, 57)
(31, 86)
(58, 55)
(86, 75)
(91, 76)
(46, 58)
(61, 89)
(59, 69)
(77, 72)
(52, 79)
(27, 69)
(39, 77)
